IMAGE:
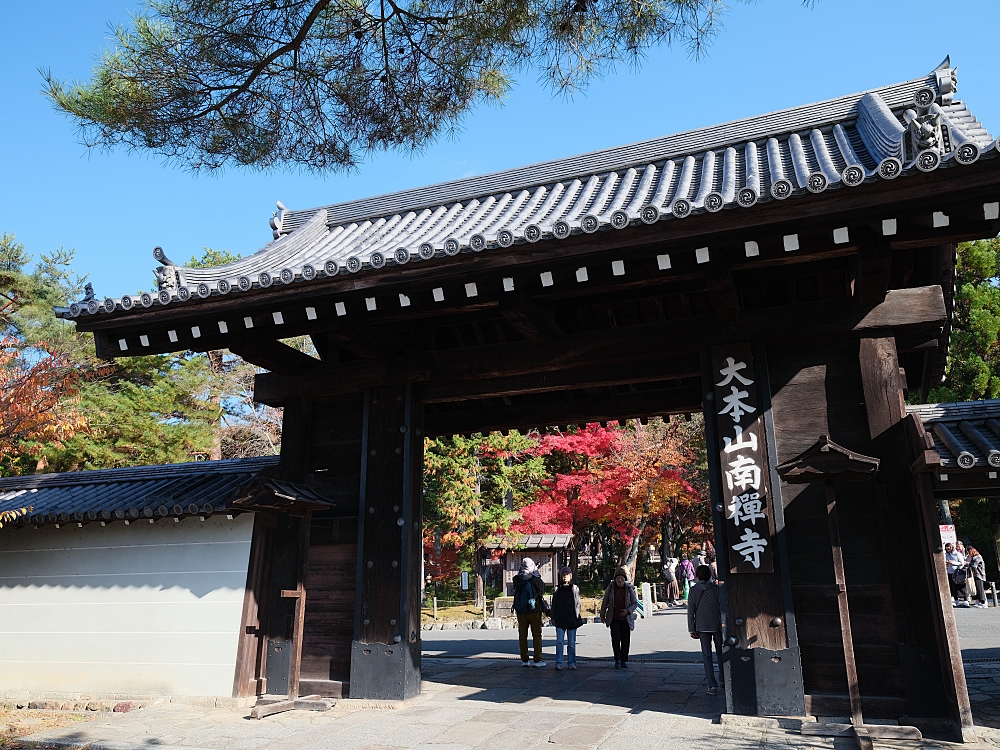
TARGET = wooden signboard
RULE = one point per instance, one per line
(742, 450)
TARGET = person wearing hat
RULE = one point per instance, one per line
(529, 603)
(618, 614)
(566, 616)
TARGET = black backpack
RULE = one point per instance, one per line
(524, 597)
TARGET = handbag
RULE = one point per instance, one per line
(959, 576)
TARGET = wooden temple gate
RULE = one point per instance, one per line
(814, 247)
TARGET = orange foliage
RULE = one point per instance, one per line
(36, 397)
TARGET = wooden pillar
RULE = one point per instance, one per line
(385, 653)
(761, 661)
(930, 655)
(281, 622)
(248, 679)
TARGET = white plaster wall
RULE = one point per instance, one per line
(144, 609)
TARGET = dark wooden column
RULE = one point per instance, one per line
(385, 653)
(930, 657)
(289, 544)
(761, 661)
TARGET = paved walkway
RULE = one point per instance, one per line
(491, 702)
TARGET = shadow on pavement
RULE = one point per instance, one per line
(663, 688)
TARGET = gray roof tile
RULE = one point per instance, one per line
(98, 495)
(966, 434)
(808, 149)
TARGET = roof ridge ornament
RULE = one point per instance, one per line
(278, 220)
(162, 257)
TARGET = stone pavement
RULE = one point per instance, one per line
(477, 696)
(478, 704)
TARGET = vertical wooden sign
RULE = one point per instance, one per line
(743, 460)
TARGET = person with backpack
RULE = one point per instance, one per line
(687, 570)
(566, 616)
(618, 613)
(529, 604)
(705, 622)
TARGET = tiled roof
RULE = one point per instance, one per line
(966, 434)
(533, 541)
(136, 492)
(906, 128)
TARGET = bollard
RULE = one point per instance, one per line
(993, 590)
(435, 607)
(647, 601)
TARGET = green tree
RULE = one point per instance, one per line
(138, 410)
(320, 83)
(471, 489)
(974, 357)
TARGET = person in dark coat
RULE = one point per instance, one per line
(566, 616)
(529, 604)
(705, 622)
(618, 614)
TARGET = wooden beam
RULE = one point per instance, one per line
(905, 309)
(530, 319)
(874, 268)
(363, 341)
(583, 377)
(721, 289)
(881, 382)
(275, 356)
(682, 400)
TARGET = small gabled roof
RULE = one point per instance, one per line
(198, 488)
(533, 541)
(825, 461)
(907, 128)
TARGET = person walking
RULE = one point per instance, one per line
(566, 616)
(618, 613)
(977, 571)
(529, 603)
(955, 565)
(705, 623)
(670, 577)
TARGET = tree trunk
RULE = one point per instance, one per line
(215, 452)
(480, 583)
(632, 551)
(667, 534)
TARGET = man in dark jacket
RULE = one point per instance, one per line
(529, 605)
(705, 622)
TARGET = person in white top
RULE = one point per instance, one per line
(956, 565)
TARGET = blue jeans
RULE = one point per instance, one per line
(570, 635)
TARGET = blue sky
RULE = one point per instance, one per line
(114, 208)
